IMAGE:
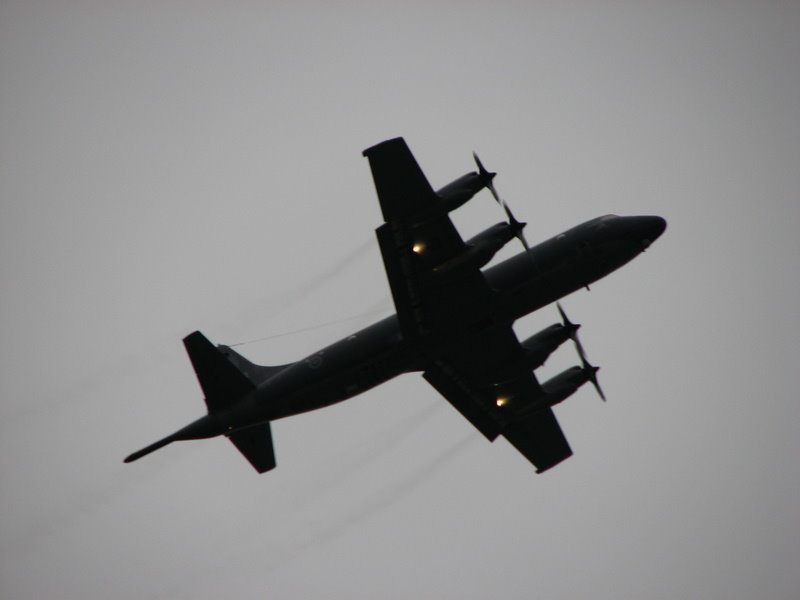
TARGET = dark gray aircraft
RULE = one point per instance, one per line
(453, 323)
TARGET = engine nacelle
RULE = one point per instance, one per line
(540, 346)
(452, 196)
(566, 383)
(460, 191)
(479, 250)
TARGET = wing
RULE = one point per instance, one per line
(415, 238)
(539, 438)
(403, 190)
(479, 378)
(472, 360)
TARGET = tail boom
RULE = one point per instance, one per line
(226, 378)
(204, 427)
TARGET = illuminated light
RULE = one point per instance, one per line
(418, 248)
(501, 401)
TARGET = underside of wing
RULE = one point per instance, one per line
(441, 294)
(539, 438)
(417, 237)
(471, 401)
(479, 378)
(423, 305)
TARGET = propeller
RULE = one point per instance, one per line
(591, 371)
(487, 177)
(569, 325)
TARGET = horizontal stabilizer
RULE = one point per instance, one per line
(255, 443)
(222, 382)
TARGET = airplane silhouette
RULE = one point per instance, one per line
(453, 323)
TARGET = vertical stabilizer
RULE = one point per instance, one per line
(225, 377)
(221, 381)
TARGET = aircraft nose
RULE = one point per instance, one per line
(650, 229)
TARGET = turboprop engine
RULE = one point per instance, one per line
(479, 249)
(566, 383)
(538, 349)
(458, 192)
(540, 346)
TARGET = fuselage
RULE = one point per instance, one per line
(520, 285)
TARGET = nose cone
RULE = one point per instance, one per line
(650, 229)
(656, 226)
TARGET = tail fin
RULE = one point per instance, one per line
(226, 376)
(222, 382)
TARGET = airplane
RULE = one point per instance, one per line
(453, 323)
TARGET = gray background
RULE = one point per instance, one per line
(168, 166)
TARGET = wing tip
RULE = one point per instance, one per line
(380, 145)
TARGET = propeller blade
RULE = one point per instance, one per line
(564, 318)
(599, 389)
(581, 351)
(593, 378)
(511, 218)
(514, 223)
(487, 177)
(572, 327)
(591, 374)
(521, 238)
(591, 371)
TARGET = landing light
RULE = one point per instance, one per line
(418, 248)
(501, 401)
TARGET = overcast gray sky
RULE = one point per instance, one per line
(171, 166)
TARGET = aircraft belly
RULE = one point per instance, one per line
(328, 392)
(332, 376)
(536, 292)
